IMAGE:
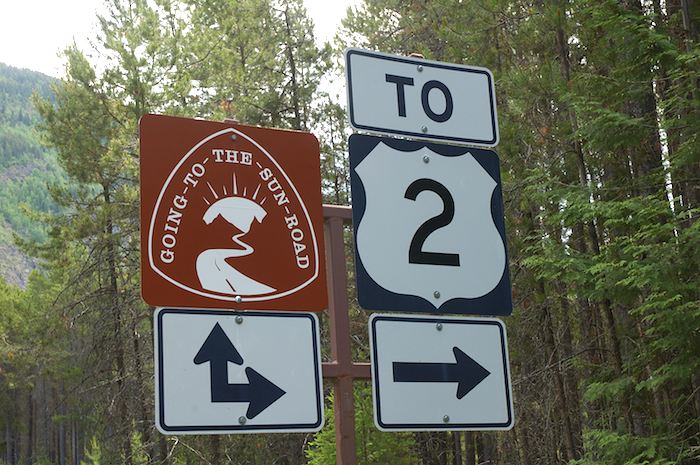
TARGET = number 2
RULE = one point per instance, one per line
(415, 251)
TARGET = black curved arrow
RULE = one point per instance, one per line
(466, 372)
(218, 351)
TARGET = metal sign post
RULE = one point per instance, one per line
(341, 369)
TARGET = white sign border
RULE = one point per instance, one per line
(438, 426)
(210, 295)
(235, 428)
(426, 63)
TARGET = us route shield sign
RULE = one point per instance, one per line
(429, 227)
(224, 372)
(453, 372)
(231, 216)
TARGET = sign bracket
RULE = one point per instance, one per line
(341, 369)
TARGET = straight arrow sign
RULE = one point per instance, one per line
(452, 371)
(466, 372)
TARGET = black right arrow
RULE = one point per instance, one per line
(260, 392)
(467, 372)
(218, 351)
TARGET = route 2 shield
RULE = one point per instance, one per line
(429, 227)
(231, 216)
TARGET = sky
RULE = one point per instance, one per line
(35, 44)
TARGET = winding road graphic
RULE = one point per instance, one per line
(214, 273)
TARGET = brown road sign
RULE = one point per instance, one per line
(231, 216)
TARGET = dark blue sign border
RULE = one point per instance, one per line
(160, 312)
(439, 426)
(371, 295)
(429, 64)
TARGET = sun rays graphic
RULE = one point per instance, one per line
(234, 186)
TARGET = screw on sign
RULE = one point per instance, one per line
(231, 216)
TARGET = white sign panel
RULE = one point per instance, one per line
(440, 373)
(428, 225)
(247, 372)
(390, 94)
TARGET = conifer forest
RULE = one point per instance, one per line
(599, 117)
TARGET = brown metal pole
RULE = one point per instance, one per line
(341, 368)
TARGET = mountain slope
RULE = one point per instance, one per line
(26, 168)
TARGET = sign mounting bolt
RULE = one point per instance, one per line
(241, 420)
(233, 137)
(436, 294)
(426, 159)
(239, 319)
(424, 129)
(420, 68)
(446, 419)
(438, 326)
(238, 299)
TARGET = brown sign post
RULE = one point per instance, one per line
(341, 369)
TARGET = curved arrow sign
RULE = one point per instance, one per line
(222, 372)
(260, 392)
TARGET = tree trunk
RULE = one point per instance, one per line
(457, 449)
(164, 453)
(61, 446)
(29, 457)
(216, 450)
(297, 120)
(76, 444)
(123, 422)
(555, 357)
(521, 444)
(571, 377)
(9, 442)
(469, 451)
(141, 388)
(485, 450)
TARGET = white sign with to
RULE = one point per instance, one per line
(395, 95)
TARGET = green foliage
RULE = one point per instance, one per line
(93, 453)
(139, 453)
(599, 115)
(609, 391)
(373, 447)
(610, 448)
(16, 88)
(26, 167)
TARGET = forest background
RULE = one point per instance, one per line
(599, 113)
